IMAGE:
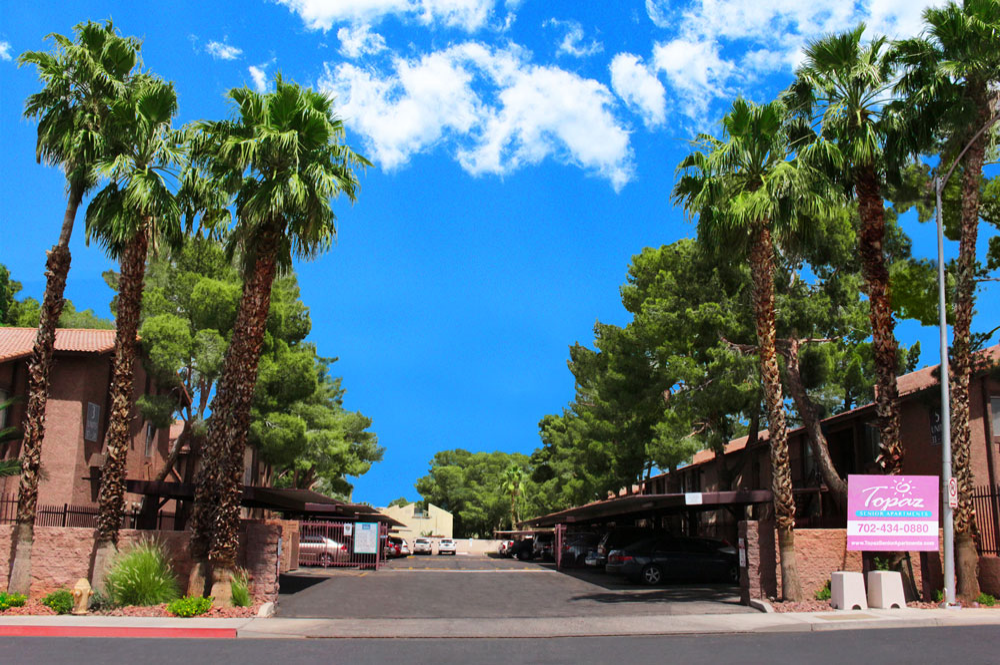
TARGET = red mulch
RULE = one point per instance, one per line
(824, 606)
(30, 608)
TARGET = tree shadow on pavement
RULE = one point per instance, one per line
(681, 594)
(290, 583)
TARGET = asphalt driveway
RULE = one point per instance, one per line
(488, 588)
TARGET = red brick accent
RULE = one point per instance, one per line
(62, 555)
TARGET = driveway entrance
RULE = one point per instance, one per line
(488, 588)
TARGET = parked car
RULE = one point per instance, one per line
(522, 550)
(544, 546)
(316, 550)
(576, 547)
(447, 546)
(656, 560)
(423, 546)
(504, 547)
(618, 538)
(395, 547)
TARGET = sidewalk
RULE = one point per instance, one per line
(65, 626)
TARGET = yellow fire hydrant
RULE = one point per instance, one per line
(81, 596)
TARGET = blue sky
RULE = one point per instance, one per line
(524, 151)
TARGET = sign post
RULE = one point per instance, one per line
(892, 513)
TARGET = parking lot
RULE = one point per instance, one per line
(421, 587)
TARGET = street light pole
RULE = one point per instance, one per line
(947, 513)
(948, 516)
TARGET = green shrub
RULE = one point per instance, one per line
(61, 601)
(189, 606)
(881, 563)
(938, 596)
(101, 601)
(824, 593)
(141, 576)
(241, 589)
(986, 600)
(9, 600)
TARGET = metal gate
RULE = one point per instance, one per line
(342, 544)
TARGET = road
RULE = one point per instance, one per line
(971, 645)
(488, 588)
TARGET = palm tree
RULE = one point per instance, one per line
(513, 484)
(129, 218)
(283, 160)
(81, 78)
(843, 87)
(949, 81)
(747, 194)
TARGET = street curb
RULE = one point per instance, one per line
(117, 631)
(266, 610)
(761, 606)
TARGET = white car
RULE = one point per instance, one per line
(447, 546)
(423, 546)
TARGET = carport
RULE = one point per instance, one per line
(647, 506)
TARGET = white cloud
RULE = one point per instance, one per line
(4, 50)
(259, 77)
(223, 51)
(572, 42)
(659, 12)
(492, 109)
(639, 88)
(711, 46)
(359, 40)
(696, 70)
(469, 15)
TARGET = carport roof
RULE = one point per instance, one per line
(643, 504)
(293, 501)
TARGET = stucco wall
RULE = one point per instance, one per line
(62, 555)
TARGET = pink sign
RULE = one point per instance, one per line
(892, 513)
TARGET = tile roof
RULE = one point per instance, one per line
(17, 342)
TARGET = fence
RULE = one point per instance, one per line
(80, 516)
(986, 501)
(342, 544)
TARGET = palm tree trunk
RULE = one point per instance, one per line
(39, 369)
(220, 488)
(807, 410)
(762, 271)
(112, 493)
(870, 241)
(966, 555)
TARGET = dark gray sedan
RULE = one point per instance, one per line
(657, 560)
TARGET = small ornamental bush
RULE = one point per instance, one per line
(189, 606)
(9, 600)
(61, 601)
(141, 576)
(101, 601)
(938, 596)
(986, 600)
(241, 589)
(824, 593)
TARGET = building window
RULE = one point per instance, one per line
(995, 410)
(873, 443)
(150, 439)
(3, 410)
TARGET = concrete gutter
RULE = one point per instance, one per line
(704, 624)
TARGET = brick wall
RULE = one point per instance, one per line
(818, 552)
(62, 555)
